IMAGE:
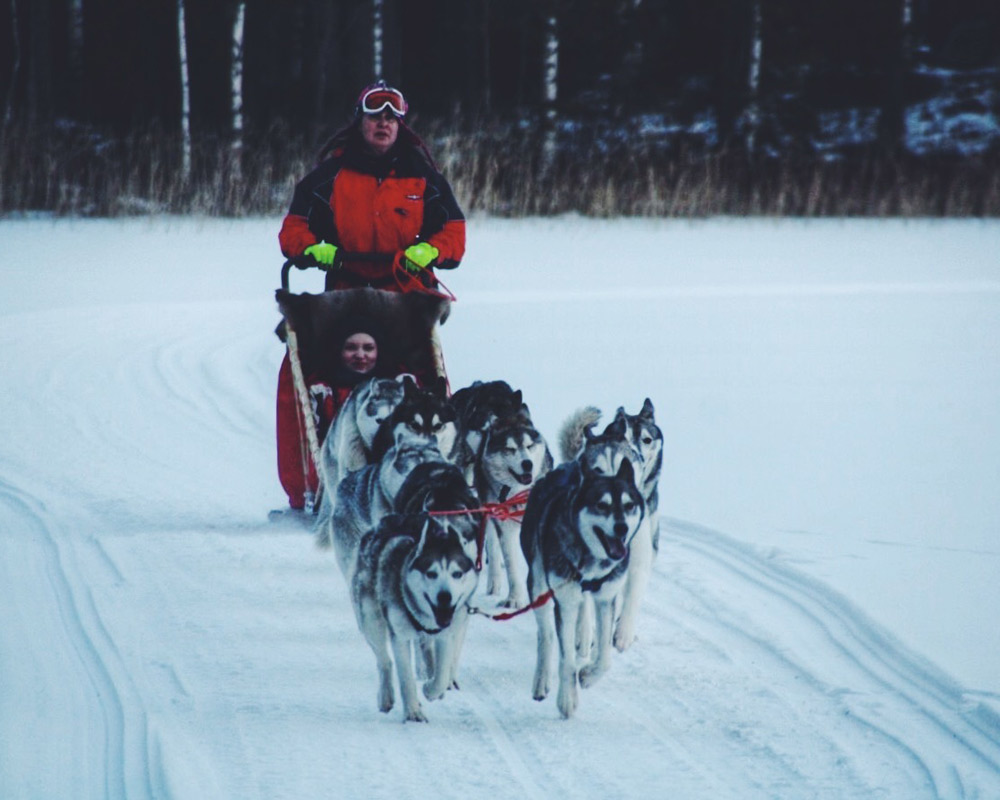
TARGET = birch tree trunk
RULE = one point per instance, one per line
(752, 119)
(378, 36)
(185, 95)
(893, 117)
(76, 77)
(15, 67)
(236, 84)
(550, 85)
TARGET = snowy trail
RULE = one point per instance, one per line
(161, 639)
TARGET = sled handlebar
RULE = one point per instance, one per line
(308, 262)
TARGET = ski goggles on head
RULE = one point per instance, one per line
(377, 100)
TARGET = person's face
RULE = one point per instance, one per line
(360, 353)
(380, 131)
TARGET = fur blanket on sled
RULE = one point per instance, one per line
(405, 319)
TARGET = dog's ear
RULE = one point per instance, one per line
(440, 387)
(517, 399)
(425, 531)
(616, 428)
(409, 386)
(647, 409)
(625, 471)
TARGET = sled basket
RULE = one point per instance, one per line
(408, 322)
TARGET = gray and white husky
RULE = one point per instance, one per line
(637, 438)
(411, 584)
(422, 411)
(514, 455)
(368, 494)
(348, 444)
(439, 488)
(477, 407)
(576, 535)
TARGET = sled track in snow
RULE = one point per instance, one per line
(116, 728)
(945, 736)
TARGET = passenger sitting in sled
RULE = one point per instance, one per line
(358, 351)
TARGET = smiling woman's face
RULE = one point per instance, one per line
(380, 131)
(360, 352)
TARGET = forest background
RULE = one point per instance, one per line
(600, 107)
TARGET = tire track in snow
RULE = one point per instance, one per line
(855, 654)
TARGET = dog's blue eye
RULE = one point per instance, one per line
(431, 574)
(456, 575)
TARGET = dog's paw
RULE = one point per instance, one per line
(514, 602)
(386, 701)
(432, 691)
(540, 688)
(624, 637)
(568, 699)
(590, 674)
(415, 715)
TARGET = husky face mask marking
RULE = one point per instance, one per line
(442, 577)
(603, 454)
(645, 437)
(518, 455)
(422, 412)
(385, 395)
(609, 514)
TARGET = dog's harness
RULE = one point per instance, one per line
(511, 508)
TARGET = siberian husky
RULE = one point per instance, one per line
(440, 487)
(513, 457)
(365, 496)
(348, 444)
(576, 534)
(422, 412)
(477, 407)
(411, 585)
(635, 437)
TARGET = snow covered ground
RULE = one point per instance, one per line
(821, 621)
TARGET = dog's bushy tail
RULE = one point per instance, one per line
(571, 432)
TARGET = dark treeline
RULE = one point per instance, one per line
(660, 106)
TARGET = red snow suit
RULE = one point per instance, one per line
(366, 204)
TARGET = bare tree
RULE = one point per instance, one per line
(378, 36)
(236, 85)
(76, 78)
(185, 93)
(550, 83)
(15, 67)
(752, 112)
(892, 127)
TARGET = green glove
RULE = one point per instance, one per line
(323, 253)
(419, 256)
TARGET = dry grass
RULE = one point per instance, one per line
(496, 170)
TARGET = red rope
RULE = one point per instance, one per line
(510, 509)
(538, 602)
(408, 282)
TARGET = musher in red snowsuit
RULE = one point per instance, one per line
(375, 190)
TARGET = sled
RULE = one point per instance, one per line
(409, 319)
